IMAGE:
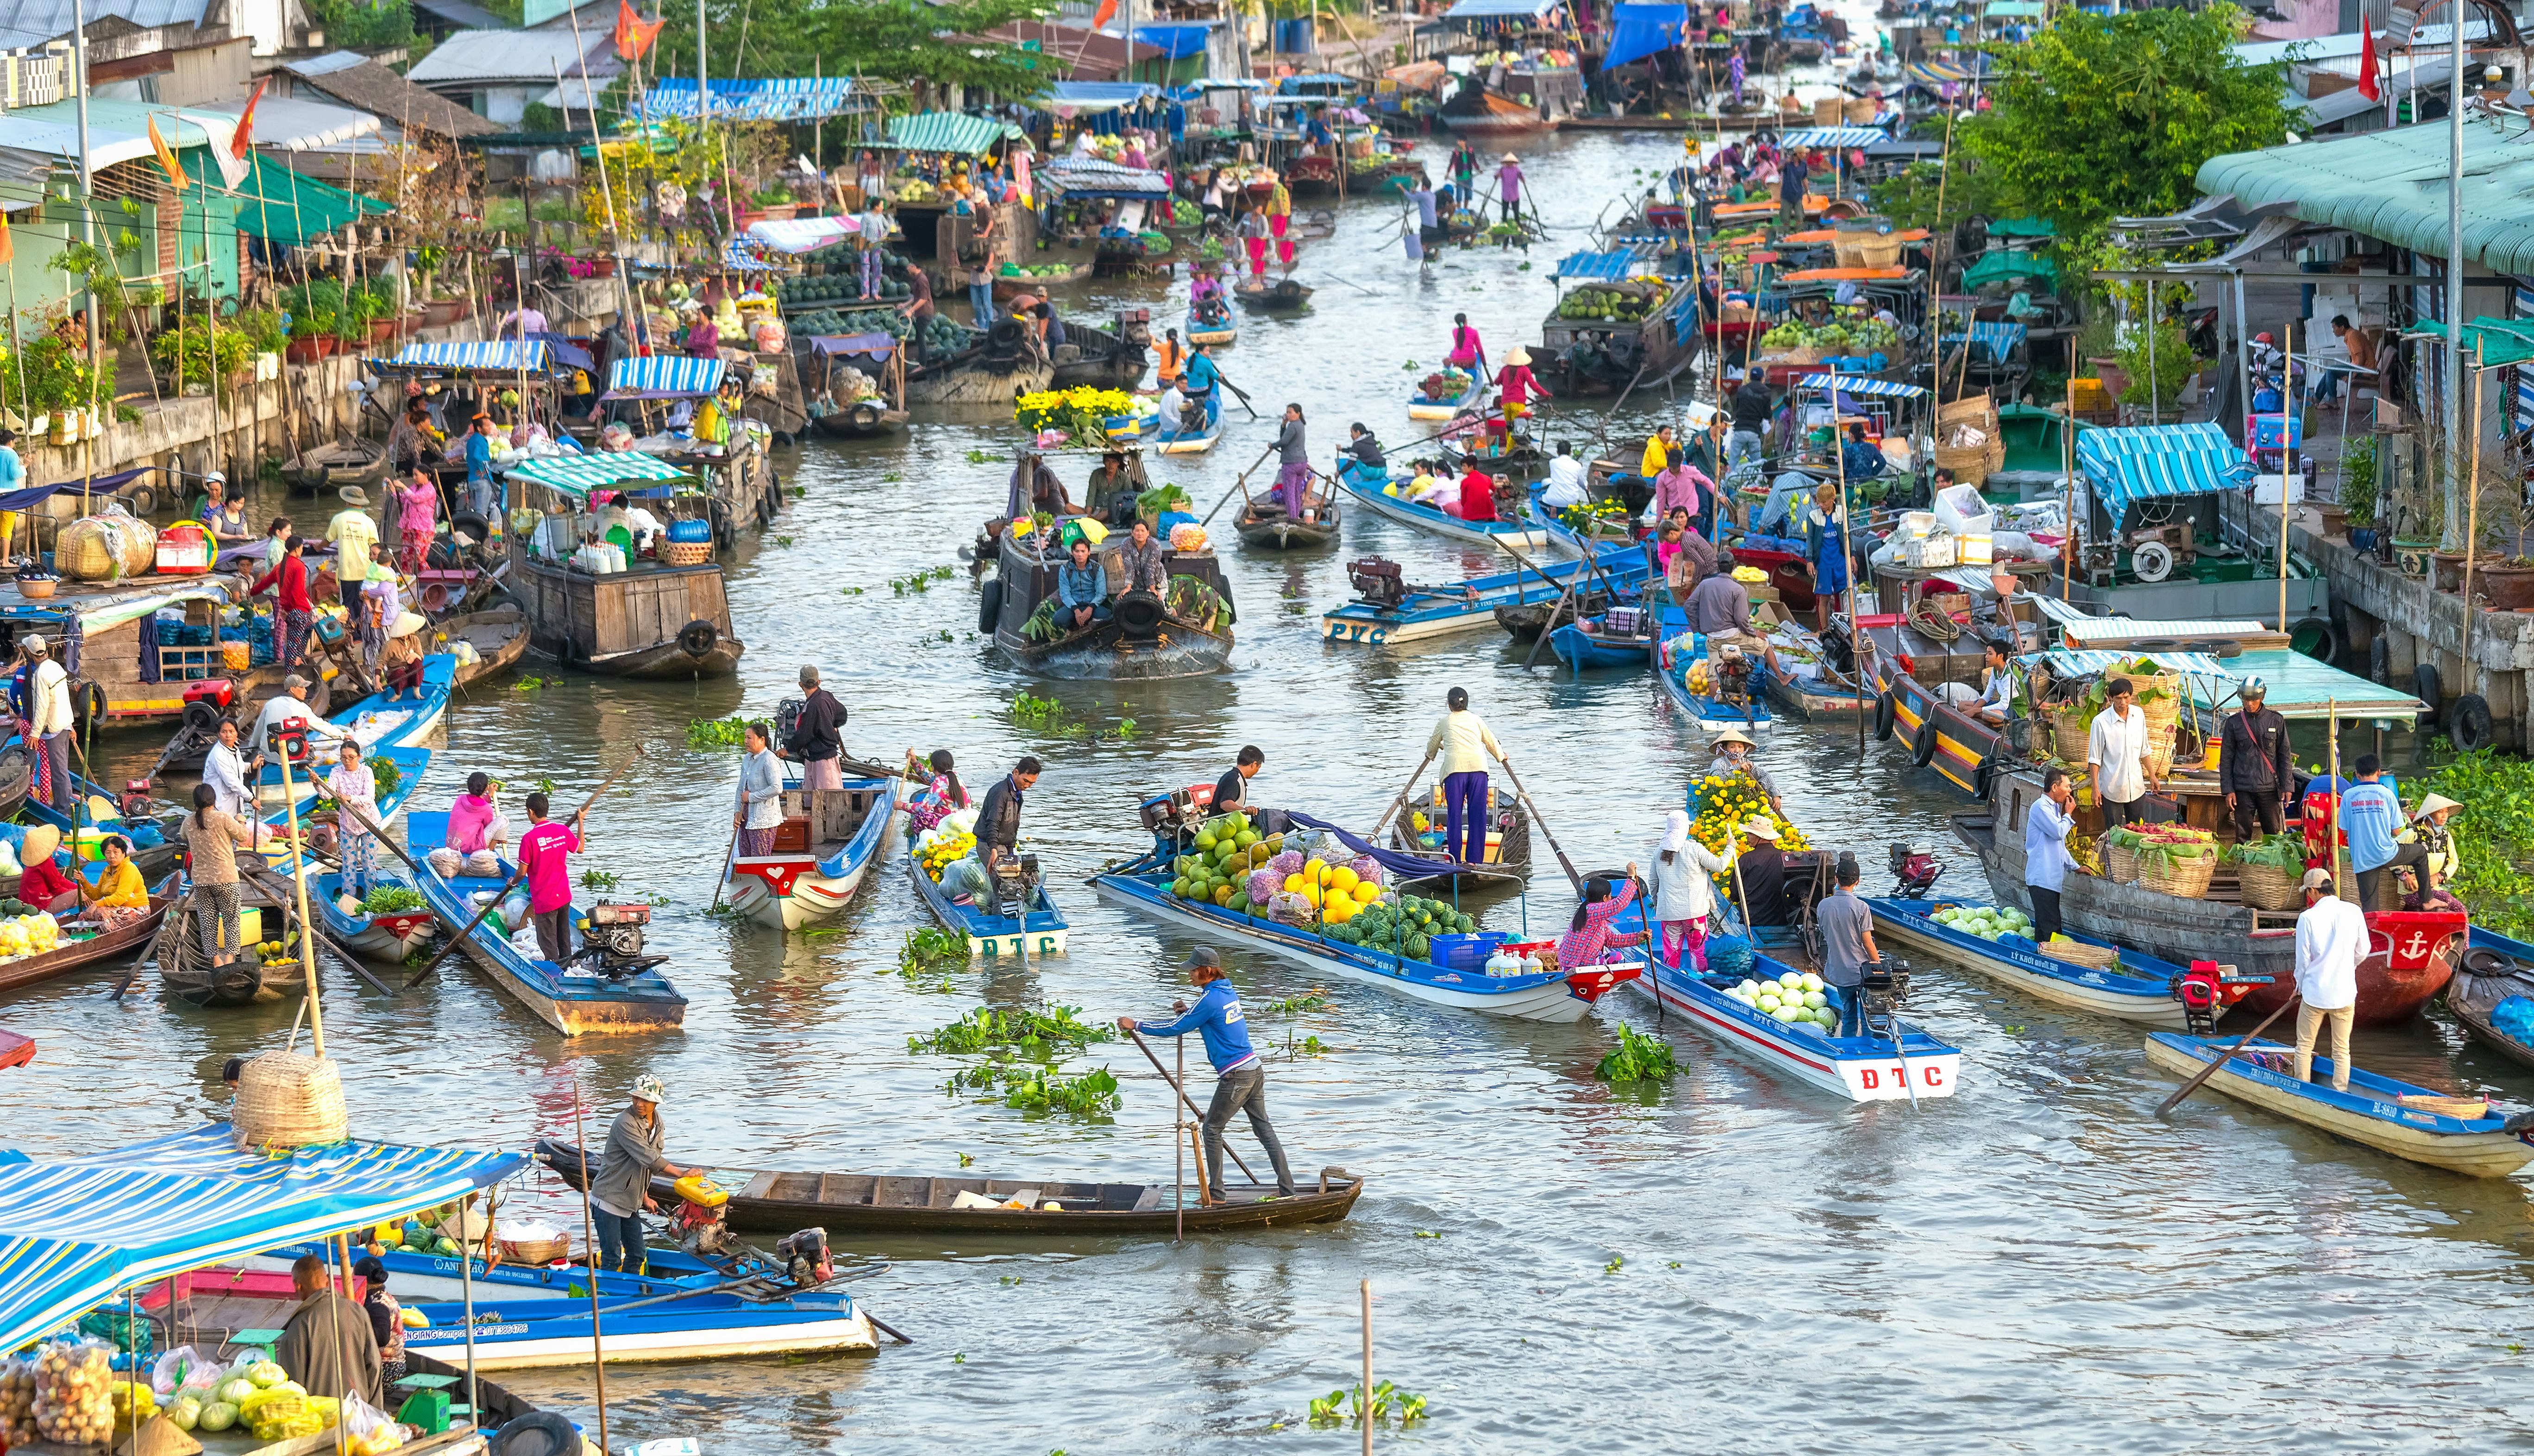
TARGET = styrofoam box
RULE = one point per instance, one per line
(2266, 488)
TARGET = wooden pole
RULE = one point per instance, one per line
(2332, 750)
(2471, 528)
(2068, 507)
(299, 880)
(1366, 1288)
(589, 1257)
(1935, 266)
(1178, 1155)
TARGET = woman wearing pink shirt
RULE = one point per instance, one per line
(417, 504)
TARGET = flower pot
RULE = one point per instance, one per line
(2361, 538)
(328, 346)
(2504, 588)
(382, 330)
(303, 351)
(778, 212)
(2446, 571)
(439, 313)
(602, 268)
(2334, 520)
(2116, 380)
(2412, 557)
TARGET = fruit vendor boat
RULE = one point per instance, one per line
(1445, 394)
(2461, 1134)
(374, 723)
(1708, 711)
(827, 845)
(1183, 634)
(604, 989)
(2134, 986)
(1367, 484)
(848, 1204)
(95, 947)
(1039, 930)
(1417, 838)
(1392, 611)
(496, 638)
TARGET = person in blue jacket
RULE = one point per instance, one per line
(1239, 1077)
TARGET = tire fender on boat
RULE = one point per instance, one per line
(990, 604)
(698, 637)
(1982, 774)
(537, 1434)
(1886, 713)
(2424, 687)
(1922, 747)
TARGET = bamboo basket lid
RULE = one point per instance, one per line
(285, 1100)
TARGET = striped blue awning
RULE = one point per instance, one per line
(948, 131)
(664, 376)
(1999, 340)
(1835, 136)
(1620, 263)
(2065, 663)
(2156, 462)
(1849, 384)
(501, 355)
(1089, 176)
(1495, 10)
(76, 1231)
(802, 98)
(1090, 97)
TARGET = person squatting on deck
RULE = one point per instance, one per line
(1239, 1077)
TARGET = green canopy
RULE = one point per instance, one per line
(2022, 227)
(279, 204)
(578, 475)
(2499, 340)
(2005, 264)
(947, 131)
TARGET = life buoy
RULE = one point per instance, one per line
(141, 500)
(1886, 712)
(2424, 687)
(990, 604)
(717, 511)
(539, 1434)
(698, 637)
(866, 416)
(2468, 724)
(1005, 333)
(1922, 747)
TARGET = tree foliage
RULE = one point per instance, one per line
(902, 40)
(2106, 116)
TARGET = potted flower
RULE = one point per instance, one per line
(2504, 583)
(773, 204)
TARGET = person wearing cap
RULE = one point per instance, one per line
(49, 720)
(1760, 875)
(386, 1316)
(2256, 766)
(328, 1346)
(621, 1190)
(2116, 753)
(293, 609)
(2371, 816)
(292, 702)
(1239, 1077)
(2046, 827)
(1846, 924)
(816, 742)
(216, 485)
(42, 882)
(2331, 938)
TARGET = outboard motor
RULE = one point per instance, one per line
(1377, 581)
(701, 1230)
(1841, 649)
(2207, 990)
(804, 1257)
(611, 945)
(1880, 996)
(1914, 874)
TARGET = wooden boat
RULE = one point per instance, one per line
(352, 461)
(1039, 930)
(2139, 988)
(1418, 829)
(1281, 296)
(96, 948)
(1425, 405)
(1170, 440)
(1219, 330)
(497, 638)
(848, 1204)
(2494, 969)
(1436, 611)
(1553, 996)
(16, 1050)
(853, 415)
(1475, 111)
(1598, 533)
(1369, 486)
(827, 845)
(571, 999)
(1143, 637)
(1859, 1069)
(1673, 657)
(2384, 1112)
(428, 1276)
(1007, 362)
(1591, 643)
(267, 912)
(385, 938)
(1113, 358)
(379, 725)
(1525, 620)
(1313, 525)
(1013, 286)
(1512, 461)
(660, 622)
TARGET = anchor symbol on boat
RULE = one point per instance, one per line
(2416, 947)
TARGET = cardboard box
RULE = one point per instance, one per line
(1976, 549)
(1761, 591)
(2267, 490)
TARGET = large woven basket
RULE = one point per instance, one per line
(2070, 725)
(1860, 111)
(2188, 878)
(1828, 111)
(288, 1100)
(2268, 887)
(2079, 953)
(535, 1251)
(1970, 463)
(2120, 866)
(686, 553)
(1866, 250)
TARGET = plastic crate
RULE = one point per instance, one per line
(1463, 952)
(187, 664)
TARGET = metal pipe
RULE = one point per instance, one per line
(2455, 285)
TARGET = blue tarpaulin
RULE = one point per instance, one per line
(802, 98)
(1085, 98)
(1620, 263)
(76, 1231)
(1834, 136)
(1177, 41)
(499, 356)
(2157, 462)
(1640, 31)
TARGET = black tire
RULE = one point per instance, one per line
(2228, 648)
(2468, 724)
(88, 702)
(1923, 747)
(1982, 774)
(141, 500)
(2154, 644)
(866, 416)
(698, 637)
(2380, 661)
(540, 1433)
(1139, 614)
(990, 604)
(718, 513)
(2316, 638)
(2424, 687)
(203, 716)
(1886, 712)
(1004, 333)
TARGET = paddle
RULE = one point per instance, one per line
(1555, 612)
(495, 902)
(1401, 802)
(2210, 1071)
(1144, 1046)
(1236, 392)
(1563, 861)
(1239, 486)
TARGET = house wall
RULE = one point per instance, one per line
(208, 73)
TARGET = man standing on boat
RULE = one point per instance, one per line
(999, 816)
(2254, 765)
(1239, 1077)
(2045, 852)
(2372, 816)
(1750, 409)
(2330, 940)
(544, 862)
(326, 1345)
(1847, 948)
(2116, 750)
(816, 740)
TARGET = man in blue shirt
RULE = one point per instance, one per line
(2045, 852)
(1081, 589)
(479, 467)
(1239, 1077)
(2372, 816)
(1860, 461)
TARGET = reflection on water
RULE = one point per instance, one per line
(1614, 1271)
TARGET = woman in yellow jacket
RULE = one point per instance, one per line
(118, 896)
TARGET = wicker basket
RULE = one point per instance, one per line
(2268, 887)
(685, 553)
(1828, 111)
(2120, 865)
(1970, 465)
(1860, 111)
(288, 1100)
(535, 1251)
(1866, 249)
(2069, 727)
(2079, 953)
(2188, 878)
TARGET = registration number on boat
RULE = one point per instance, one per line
(1339, 630)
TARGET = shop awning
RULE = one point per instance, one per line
(279, 204)
(1640, 31)
(2149, 462)
(2001, 265)
(2014, 10)
(948, 131)
(1872, 389)
(580, 474)
(2492, 341)
(1835, 136)
(1093, 98)
(1088, 176)
(564, 353)
(76, 1231)
(1499, 10)
(802, 234)
(800, 98)
(499, 356)
(1617, 262)
(663, 377)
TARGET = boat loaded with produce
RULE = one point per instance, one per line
(1017, 919)
(1617, 323)
(1372, 487)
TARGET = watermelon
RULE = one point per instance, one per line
(1417, 947)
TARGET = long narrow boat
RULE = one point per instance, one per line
(2494, 970)
(1859, 1069)
(842, 834)
(870, 1204)
(1552, 996)
(1504, 857)
(1039, 929)
(1591, 645)
(1171, 439)
(431, 1276)
(16, 1050)
(392, 935)
(573, 1002)
(1423, 611)
(1472, 395)
(1368, 484)
(376, 723)
(1707, 712)
(105, 945)
(1603, 533)
(2385, 1113)
(2139, 989)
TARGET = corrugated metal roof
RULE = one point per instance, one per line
(1090, 97)
(117, 131)
(1089, 176)
(947, 131)
(298, 126)
(495, 57)
(2155, 461)
(34, 21)
(2134, 630)
(2392, 185)
(1618, 263)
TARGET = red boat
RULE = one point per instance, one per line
(2411, 956)
(16, 1050)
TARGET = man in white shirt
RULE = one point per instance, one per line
(2330, 941)
(2116, 754)
(292, 703)
(50, 724)
(1565, 483)
(1997, 687)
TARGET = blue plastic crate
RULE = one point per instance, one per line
(1468, 952)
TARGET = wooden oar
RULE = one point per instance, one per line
(1239, 486)
(2210, 1071)
(1146, 1048)
(1236, 392)
(1563, 861)
(495, 902)
(1400, 802)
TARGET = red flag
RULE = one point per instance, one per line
(245, 138)
(8, 244)
(634, 34)
(2367, 85)
(1107, 12)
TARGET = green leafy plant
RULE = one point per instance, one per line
(602, 880)
(1038, 1034)
(2494, 837)
(2172, 364)
(2358, 480)
(925, 949)
(201, 356)
(1637, 1057)
(2277, 851)
(1092, 1094)
(715, 733)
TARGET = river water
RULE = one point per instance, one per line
(1729, 1262)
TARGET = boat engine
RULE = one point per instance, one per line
(804, 1257)
(1730, 679)
(1880, 996)
(1914, 874)
(1014, 879)
(610, 943)
(1839, 650)
(2207, 990)
(136, 799)
(1377, 581)
(701, 1230)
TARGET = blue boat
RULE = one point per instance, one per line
(2139, 988)
(1368, 485)
(1173, 439)
(698, 1325)
(2460, 1134)
(1425, 612)
(431, 1276)
(376, 723)
(1039, 929)
(1220, 331)
(1708, 714)
(1473, 394)
(571, 1001)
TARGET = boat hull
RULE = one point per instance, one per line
(646, 1336)
(1282, 532)
(792, 891)
(1503, 535)
(2132, 997)
(1854, 1068)
(2370, 1113)
(1039, 932)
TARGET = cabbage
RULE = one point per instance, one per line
(232, 1391)
(219, 1416)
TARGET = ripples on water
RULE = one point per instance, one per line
(2035, 1264)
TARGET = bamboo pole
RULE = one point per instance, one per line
(2068, 507)
(299, 880)
(589, 1256)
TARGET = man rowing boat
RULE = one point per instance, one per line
(1239, 1077)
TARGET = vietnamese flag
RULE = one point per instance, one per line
(166, 159)
(245, 136)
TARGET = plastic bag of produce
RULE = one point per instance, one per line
(369, 1431)
(72, 1403)
(1288, 908)
(182, 1367)
(1366, 869)
(16, 1402)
